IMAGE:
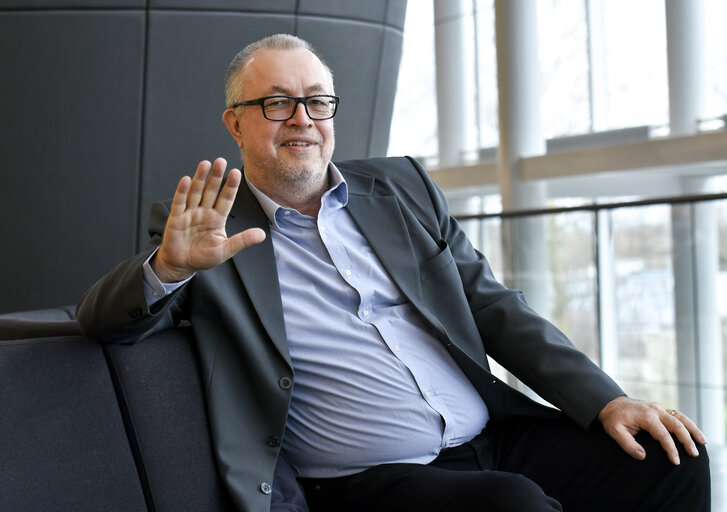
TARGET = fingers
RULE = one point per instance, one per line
(660, 429)
(685, 430)
(242, 240)
(626, 441)
(189, 191)
(203, 190)
(212, 186)
(226, 198)
(179, 203)
(694, 431)
(194, 196)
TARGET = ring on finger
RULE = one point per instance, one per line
(672, 411)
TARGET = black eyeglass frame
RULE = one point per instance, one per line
(298, 100)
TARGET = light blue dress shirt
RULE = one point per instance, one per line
(372, 384)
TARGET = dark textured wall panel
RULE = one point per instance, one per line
(185, 94)
(396, 14)
(342, 43)
(388, 75)
(370, 10)
(107, 103)
(280, 6)
(377, 11)
(70, 99)
(72, 4)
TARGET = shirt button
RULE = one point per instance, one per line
(348, 273)
(397, 348)
(366, 312)
(285, 383)
(272, 441)
(266, 488)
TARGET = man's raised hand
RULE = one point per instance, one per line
(194, 237)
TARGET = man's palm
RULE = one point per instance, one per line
(194, 237)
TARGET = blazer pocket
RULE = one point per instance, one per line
(434, 265)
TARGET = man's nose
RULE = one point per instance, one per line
(300, 115)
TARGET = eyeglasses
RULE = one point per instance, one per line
(282, 108)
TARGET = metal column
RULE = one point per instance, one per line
(455, 95)
(518, 78)
(694, 233)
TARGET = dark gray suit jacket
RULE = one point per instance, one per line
(236, 312)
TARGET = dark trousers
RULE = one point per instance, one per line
(526, 464)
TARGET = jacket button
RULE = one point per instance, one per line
(266, 488)
(285, 383)
(272, 441)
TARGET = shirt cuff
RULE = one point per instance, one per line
(154, 288)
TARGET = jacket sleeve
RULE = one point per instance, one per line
(514, 335)
(115, 310)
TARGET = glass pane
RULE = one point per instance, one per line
(573, 302)
(563, 57)
(414, 120)
(488, 132)
(629, 64)
(721, 207)
(565, 292)
(716, 100)
(553, 264)
(645, 303)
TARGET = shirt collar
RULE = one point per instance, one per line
(337, 191)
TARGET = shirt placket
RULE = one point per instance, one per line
(351, 272)
(401, 349)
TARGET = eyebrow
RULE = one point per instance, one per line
(313, 89)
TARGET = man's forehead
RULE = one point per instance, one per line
(269, 58)
(281, 71)
(315, 88)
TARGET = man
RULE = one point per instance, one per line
(343, 320)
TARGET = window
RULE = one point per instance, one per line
(414, 121)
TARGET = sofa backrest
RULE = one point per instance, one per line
(41, 323)
(63, 445)
(86, 427)
(162, 399)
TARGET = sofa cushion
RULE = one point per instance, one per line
(62, 440)
(159, 382)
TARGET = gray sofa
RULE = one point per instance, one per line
(92, 427)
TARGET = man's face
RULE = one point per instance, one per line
(284, 153)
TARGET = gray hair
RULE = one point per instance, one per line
(234, 77)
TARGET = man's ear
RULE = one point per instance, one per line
(233, 125)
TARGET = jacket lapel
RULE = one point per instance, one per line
(381, 222)
(380, 219)
(257, 268)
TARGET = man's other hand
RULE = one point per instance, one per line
(623, 418)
